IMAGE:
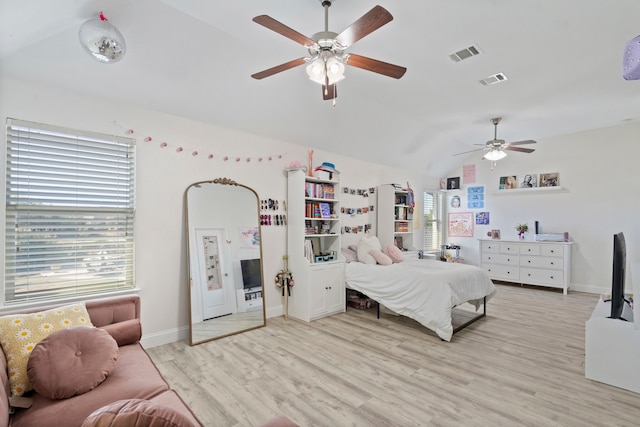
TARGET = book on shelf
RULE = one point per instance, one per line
(319, 191)
(402, 227)
(325, 210)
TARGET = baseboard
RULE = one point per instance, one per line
(182, 333)
(165, 337)
(590, 289)
(275, 311)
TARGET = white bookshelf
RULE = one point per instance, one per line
(319, 288)
(395, 218)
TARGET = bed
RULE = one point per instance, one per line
(424, 290)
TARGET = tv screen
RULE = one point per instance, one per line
(617, 282)
(251, 273)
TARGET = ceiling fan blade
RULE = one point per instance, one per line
(522, 150)
(280, 28)
(470, 151)
(278, 68)
(368, 23)
(528, 141)
(329, 92)
(376, 66)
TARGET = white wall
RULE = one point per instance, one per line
(598, 171)
(162, 177)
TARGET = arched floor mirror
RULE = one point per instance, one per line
(224, 259)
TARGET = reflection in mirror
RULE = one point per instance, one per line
(224, 254)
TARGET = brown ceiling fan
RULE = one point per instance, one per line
(495, 147)
(327, 56)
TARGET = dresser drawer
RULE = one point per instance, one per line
(506, 272)
(551, 250)
(499, 259)
(509, 248)
(542, 277)
(490, 247)
(526, 249)
(542, 262)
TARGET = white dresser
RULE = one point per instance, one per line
(524, 261)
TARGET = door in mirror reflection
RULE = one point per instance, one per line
(224, 254)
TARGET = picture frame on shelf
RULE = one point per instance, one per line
(453, 183)
(549, 179)
(529, 180)
(508, 182)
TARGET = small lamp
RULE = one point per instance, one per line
(102, 40)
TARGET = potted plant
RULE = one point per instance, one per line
(522, 228)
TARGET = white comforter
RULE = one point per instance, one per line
(424, 290)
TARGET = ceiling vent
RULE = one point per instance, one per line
(465, 53)
(491, 80)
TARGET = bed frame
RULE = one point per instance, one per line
(457, 328)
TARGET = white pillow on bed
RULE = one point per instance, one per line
(365, 246)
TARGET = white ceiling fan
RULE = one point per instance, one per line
(495, 148)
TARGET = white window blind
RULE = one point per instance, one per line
(69, 212)
(433, 216)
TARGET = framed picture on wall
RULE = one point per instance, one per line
(460, 224)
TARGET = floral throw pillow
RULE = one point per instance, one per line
(19, 334)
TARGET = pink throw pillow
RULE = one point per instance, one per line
(395, 253)
(380, 258)
(71, 361)
(136, 413)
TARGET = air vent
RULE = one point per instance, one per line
(465, 53)
(491, 80)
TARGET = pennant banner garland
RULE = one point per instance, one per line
(209, 156)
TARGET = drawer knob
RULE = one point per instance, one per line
(529, 250)
(552, 277)
(551, 262)
(552, 250)
(529, 274)
(529, 261)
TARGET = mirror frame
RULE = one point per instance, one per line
(220, 181)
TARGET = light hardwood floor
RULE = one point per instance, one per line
(522, 365)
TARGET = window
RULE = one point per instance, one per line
(69, 212)
(433, 225)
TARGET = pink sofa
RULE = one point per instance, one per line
(134, 377)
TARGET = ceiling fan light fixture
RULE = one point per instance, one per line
(102, 40)
(320, 69)
(495, 155)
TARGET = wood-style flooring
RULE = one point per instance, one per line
(522, 365)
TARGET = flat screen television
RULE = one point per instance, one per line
(251, 273)
(617, 282)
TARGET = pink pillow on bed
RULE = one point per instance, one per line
(380, 258)
(394, 253)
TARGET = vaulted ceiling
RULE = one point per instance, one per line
(562, 60)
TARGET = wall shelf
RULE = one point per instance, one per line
(535, 190)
